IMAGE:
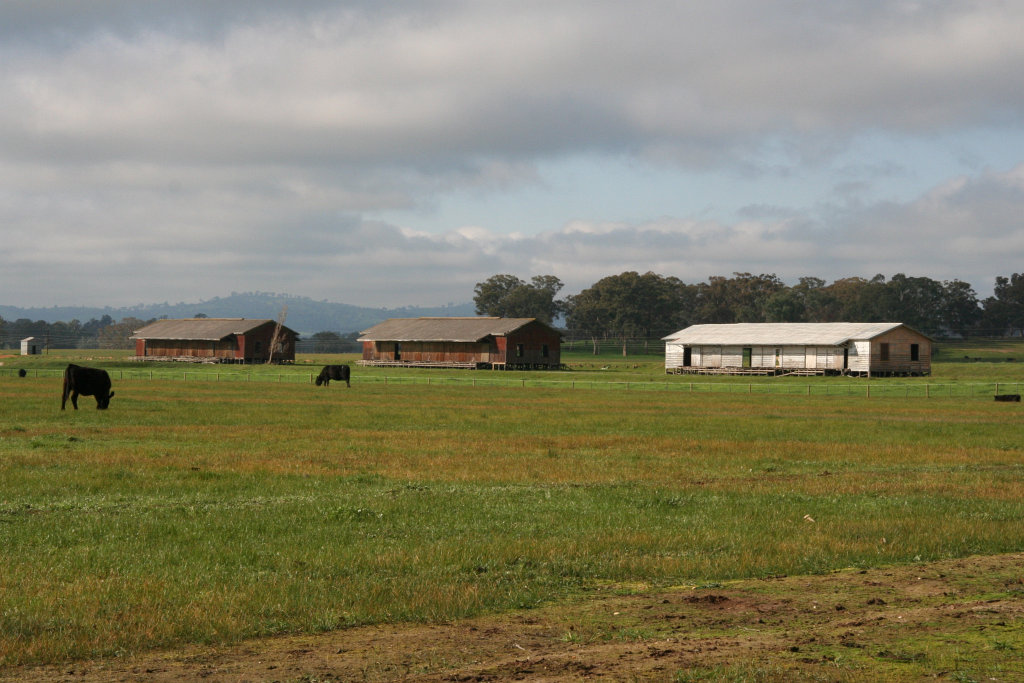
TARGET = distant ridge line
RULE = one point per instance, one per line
(305, 315)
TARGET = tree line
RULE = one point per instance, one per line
(650, 306)
(97, 333)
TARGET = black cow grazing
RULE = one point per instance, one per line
(22, 372)
(1008, 398)
(336, 372)
(87, 382)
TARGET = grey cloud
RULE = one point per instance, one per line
(210, 147)
(696, 82)
(967, 230)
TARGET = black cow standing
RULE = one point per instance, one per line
(337, 372)
(87, 382)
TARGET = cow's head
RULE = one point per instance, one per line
(102, 402)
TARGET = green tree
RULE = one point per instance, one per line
(507, 296)
(630, 305)
(116, 335)
(916, 301)
(742, 298)
(856, 299)
(327, 342)
(786, 306)
(961, 310)
(1005, 310)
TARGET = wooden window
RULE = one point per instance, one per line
(748, 353)
(398, 351)
(915, 352)
(883, 352)
(544, 350)
(519, 350)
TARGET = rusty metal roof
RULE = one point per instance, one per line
(443, 329)
(780, 334)
(204, 329)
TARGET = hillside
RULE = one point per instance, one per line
(305, 315)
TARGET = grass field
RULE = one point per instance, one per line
(211, 511)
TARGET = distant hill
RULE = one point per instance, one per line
(305, 315)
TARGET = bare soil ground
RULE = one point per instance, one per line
(957, 620)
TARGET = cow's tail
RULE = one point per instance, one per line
(66, 389)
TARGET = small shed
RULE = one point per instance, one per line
(799, 349)
(30, 347)
(477, 342)
(215, 340)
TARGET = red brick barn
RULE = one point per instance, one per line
(215, 340)
(499, 343)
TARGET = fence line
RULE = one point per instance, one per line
(867, 388)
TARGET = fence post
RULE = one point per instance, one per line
(868, 390)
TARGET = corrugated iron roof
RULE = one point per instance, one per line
(443, 329)
(780, 334)
(204, 329)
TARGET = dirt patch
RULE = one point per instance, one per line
(953, 620)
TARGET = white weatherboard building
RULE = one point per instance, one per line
(30, 346)
(799, 348)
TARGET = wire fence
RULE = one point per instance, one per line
(863, 387)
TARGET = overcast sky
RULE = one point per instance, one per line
(393, 153)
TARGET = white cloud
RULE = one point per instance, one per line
(212, 147)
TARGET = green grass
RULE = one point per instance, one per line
(211, 511)
(583, 371)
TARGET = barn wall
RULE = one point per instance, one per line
(900, 341)
(860, 355)
(254, 345)
(185, 348)
(674, 355)
(428, 352)
(782, 357)
(526, 346)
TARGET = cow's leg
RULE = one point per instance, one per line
(74, 399)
